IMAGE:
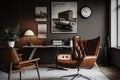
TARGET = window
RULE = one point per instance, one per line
(118, 22)
(113, 21)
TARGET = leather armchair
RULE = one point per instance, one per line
(85, 53)
(11, 63)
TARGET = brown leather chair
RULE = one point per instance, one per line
(84, 55)
(11, 63)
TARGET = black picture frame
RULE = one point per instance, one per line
(42, 31)
(41, 13)
(63, 17)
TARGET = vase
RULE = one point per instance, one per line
(11, 43)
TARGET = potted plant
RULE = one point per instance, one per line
(10, 34)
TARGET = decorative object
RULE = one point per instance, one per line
(11, 43)
(86, 12)
(57, 42)
(64, 17)
(10, 34)
(71, 42)
(42, 30)
(29, 33)
(40, 13)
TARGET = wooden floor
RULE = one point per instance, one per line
(110, 72)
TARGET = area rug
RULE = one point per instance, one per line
(93, 74)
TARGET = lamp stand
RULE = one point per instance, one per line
(30, 42)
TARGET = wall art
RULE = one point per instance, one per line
(42, 30)
(40, 13)
(64, 17)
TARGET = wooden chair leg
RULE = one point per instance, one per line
(10, 69)
(8, 76)
(20, 75)
(38, 73)
(37, 70)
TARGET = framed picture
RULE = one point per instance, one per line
(40, 13)
(42, 30)
(64, 17)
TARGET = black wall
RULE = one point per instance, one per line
(22, 12)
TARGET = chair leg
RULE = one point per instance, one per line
(38, 73)
(20, 75)
(38, 70)
(57, 68)
(8, 76)
(97, 66)
(10, 69)
(77, 75)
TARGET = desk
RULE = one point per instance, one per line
(35, 47)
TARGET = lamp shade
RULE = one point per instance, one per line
(29, 33)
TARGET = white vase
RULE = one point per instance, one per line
(11, 43)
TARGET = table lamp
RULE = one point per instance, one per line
(29, 33)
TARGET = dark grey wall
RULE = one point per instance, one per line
(115, 57)
(96, 25)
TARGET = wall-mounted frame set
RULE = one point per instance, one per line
(41, 18)
(63, 18)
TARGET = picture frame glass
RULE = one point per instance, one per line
(42, 30)
(64, 17)
(40, 13)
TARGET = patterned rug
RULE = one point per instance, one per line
(93, 74)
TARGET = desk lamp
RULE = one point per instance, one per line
(29, 33)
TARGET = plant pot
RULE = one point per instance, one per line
(11, 43)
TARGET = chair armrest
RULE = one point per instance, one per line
(91, 57)
(19, 55)
(88, 61)
(29, 61)
(64, 57)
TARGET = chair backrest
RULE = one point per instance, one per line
(14, 56)
(93, 46)
(82, 47)
(8, 55)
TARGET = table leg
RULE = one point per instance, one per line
(56, 67)
(32, 53)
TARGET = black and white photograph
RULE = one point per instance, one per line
(42, 30)
(40, 13)
(64, 17)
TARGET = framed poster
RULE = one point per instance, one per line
(40, 13)
(42, 30)
(64, 17)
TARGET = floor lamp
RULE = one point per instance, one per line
(29, 33)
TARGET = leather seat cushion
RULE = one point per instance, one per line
(68, 63)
